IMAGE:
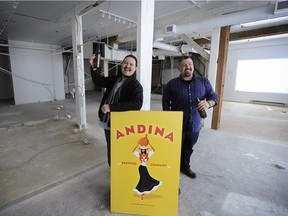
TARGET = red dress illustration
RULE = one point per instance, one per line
(146, 183)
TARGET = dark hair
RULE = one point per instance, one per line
(183, 58)
(145, 151)
(132, 56)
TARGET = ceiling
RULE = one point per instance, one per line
(49, 22)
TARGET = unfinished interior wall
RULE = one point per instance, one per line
(274, 48)
(37, 72)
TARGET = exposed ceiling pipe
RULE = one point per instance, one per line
(170, 49)
(185, 48)
(207, 25)
(166, 47)
(198, 48)
(160, 52)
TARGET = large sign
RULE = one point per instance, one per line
(145, 162)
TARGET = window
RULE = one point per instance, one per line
(264, 75)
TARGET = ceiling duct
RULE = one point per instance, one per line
(206, 25)
(166, 47)
(175, 50)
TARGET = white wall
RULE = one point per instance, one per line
(255, 49)
(37, 72)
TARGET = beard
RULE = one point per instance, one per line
(187, 73)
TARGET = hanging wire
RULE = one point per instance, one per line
(45, 85)
(57, 52)
(15, 4)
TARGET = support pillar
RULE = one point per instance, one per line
(221, 72)
(79, 72)
(145, 27)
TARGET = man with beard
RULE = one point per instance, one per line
(188, 93)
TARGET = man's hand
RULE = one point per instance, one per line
(105, 108)
(202, 105)
(92, 61)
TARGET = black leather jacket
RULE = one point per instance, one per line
(129, 98)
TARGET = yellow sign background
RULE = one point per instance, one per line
(164, 131)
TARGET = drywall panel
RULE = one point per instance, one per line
(37, 72)
(272, 48)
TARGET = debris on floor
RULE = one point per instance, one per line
(75, 130)
(279, 166)
(86, 142)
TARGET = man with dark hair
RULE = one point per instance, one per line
(123, 92)
(190, 94)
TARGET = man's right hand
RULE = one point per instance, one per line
(93, 61)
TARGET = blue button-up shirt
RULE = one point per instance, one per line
(181, 95)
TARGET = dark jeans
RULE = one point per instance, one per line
(108, 141)
(189, 139)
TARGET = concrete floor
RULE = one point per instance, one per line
(47, 167)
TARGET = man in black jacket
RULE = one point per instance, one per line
(123, 93)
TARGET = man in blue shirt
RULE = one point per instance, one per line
(182, 94)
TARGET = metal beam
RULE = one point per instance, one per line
(192, 43)
(261, 32)
(89, 8)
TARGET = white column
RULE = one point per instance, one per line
(212, 70)
(79, 72)
(145, 27)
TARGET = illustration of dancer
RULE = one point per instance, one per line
(146, 183)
